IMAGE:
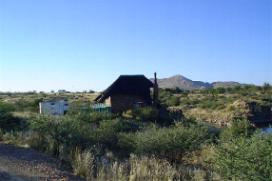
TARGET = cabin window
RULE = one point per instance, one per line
(139, 104)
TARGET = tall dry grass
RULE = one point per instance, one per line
(83, 163)
(134, 169)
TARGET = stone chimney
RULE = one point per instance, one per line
(155, 91)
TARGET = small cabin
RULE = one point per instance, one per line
(127, 92)
(54, 107)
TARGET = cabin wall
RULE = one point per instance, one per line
(121, 103)
(53, 107)
(108, 101)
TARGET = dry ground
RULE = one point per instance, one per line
(25, 164)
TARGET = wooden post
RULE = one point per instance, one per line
(155, 91)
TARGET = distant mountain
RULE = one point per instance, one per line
(187, 84)
(225, 84)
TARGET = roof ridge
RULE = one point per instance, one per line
(128, 75)
(122, 80)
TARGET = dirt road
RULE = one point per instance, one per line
(25, 164)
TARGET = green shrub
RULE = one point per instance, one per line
(6, 107)
(96, 117)
(145, 114)
(31, 105)
(221, 90)
(7, 121)
(173, 101)
(92, 117)
(267, 86)
(245, 158)
(166, 142)
(57, 132)
(211, 104)
(238, 128)
(56, 135)
(108, 130)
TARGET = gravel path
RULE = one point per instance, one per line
(25, 164)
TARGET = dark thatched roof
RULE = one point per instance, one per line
(127, 84)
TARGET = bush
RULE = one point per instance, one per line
(91, 116)
(238, 128)
(7, 121)
(211, 104)
(107, 133)
(165, 142)
(173, 101)
(59, 135)
(6, 107)
(145, 114)
(60, 132)
(266, 86)
(221, 90)
(27, 105)
(245, 158)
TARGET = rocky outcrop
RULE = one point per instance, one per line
(260, 114)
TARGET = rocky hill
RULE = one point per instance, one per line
(188, 84)
(225, 84)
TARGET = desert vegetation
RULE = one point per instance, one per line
(220, 106)
(213, 139)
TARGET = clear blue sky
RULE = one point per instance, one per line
(86, 44)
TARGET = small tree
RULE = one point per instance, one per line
(266, 86)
